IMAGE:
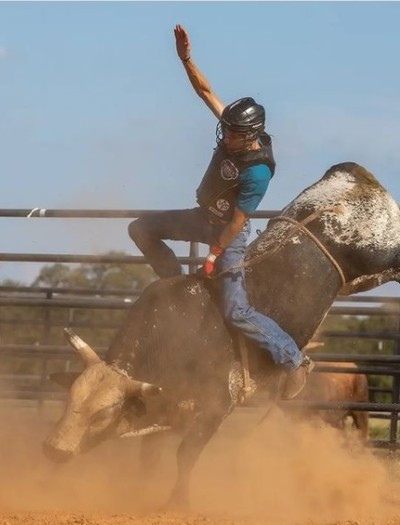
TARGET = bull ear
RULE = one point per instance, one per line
(64, 379)
(137, 388)
(87, 354)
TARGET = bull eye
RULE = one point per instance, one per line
(103, 414)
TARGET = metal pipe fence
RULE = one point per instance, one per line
(73, 299)
(387, 365)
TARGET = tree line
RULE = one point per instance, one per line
(36, 325)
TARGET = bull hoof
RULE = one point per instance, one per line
(177, 502)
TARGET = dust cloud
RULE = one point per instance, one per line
(294, 471)
(281, 472)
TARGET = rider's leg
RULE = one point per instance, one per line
(179, 225)
(255, 326)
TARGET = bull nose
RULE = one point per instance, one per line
(55, 454)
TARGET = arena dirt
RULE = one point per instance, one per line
(283, 472)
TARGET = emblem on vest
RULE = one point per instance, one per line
(228, 170)
(223, 205)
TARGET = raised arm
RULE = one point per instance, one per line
(197, 79)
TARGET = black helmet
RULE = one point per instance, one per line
(243, 116)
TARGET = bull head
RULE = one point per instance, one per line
(99, 404)
(90, 358)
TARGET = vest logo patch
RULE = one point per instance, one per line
(228, 170)
(223, 205)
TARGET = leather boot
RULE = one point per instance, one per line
(296, 379)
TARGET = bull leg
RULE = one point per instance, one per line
(368, 282)
(151, 447)
(193, 443)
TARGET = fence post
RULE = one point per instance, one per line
(71, 315)
(43, 361)
(193, 252)
(396, 391)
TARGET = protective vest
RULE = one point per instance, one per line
(218, 190)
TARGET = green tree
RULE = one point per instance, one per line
(37, 325)
(98, 276)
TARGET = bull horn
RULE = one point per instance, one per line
(138, 388)
(85, 352)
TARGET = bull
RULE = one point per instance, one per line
(336, 387)
(173, 364)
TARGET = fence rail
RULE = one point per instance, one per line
(41, 213)
(40, 389)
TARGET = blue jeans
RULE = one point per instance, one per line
(192, 225)
(239, 313)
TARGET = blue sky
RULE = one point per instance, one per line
(96, 110)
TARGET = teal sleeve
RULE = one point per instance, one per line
(253, 185)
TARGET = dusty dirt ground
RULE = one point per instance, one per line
(282, 472)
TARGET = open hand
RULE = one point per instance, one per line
(182, 42)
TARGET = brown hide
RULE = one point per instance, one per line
(339, 387)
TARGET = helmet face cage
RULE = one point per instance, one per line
(248, 137)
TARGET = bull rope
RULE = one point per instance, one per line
(246, 389)
(298, 225)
